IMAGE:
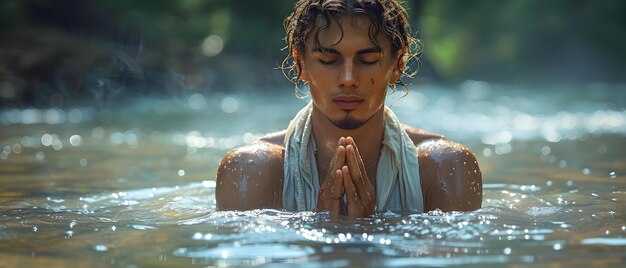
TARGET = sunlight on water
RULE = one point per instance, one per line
(102, 187)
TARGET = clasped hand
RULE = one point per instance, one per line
(347, 175)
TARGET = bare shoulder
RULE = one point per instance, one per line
(419, 135)
(276, 138)
(250, 177)
(450, 175)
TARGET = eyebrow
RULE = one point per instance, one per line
(334, 51)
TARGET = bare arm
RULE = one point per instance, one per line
(250, 177)
(450, 176)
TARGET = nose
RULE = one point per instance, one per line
(348, 77)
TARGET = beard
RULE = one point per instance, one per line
(348, 122)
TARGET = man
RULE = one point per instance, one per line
(346, 152)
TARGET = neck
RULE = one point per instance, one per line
(368, 138)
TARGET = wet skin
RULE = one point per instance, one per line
(348, 78)
(450, 177)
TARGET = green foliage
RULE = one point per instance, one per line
(506, 40)
(522, 40)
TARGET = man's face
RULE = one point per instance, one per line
(348, 75)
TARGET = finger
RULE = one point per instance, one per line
(340, 161)
(348, 185)
(341, 157)
(335, 205)
(337, 188)
(364, 187)
(336, 163)
(356, 172)
(342, 141)
(326, 201)
(350, 141)
(356, 151)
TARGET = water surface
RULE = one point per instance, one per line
(133, 185)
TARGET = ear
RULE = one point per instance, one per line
(397, 68)
(298, 60)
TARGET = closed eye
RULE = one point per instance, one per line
(329, 62)
(368, 61)
(370, 57)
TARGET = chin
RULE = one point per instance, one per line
(348, 122)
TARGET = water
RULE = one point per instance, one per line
(133, 186)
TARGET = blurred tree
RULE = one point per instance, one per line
(92, 49)
(522, 41)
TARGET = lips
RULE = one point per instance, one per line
(347, 102)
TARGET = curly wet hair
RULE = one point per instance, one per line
(386, 15)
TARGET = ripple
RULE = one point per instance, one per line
(542, 211)
(443, 262)
(609, 241)
(247, 252)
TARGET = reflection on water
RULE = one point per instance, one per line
(134, 186)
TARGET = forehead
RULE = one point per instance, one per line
(346, 28)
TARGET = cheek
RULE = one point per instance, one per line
(317, 75)
(381, 80)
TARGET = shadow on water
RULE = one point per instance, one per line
(134, 186)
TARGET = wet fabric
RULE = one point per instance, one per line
(397, 187)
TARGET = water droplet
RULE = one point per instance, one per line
(181, 172)
(35, 229)
(57, 145)
(487, 152)
(46, 139)
(229, 105)
(17, 148)
(612, 175)
(586, 171)
(100, 248)
(507, 251)
(557, 246)
(76, 140)
(197, 101)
